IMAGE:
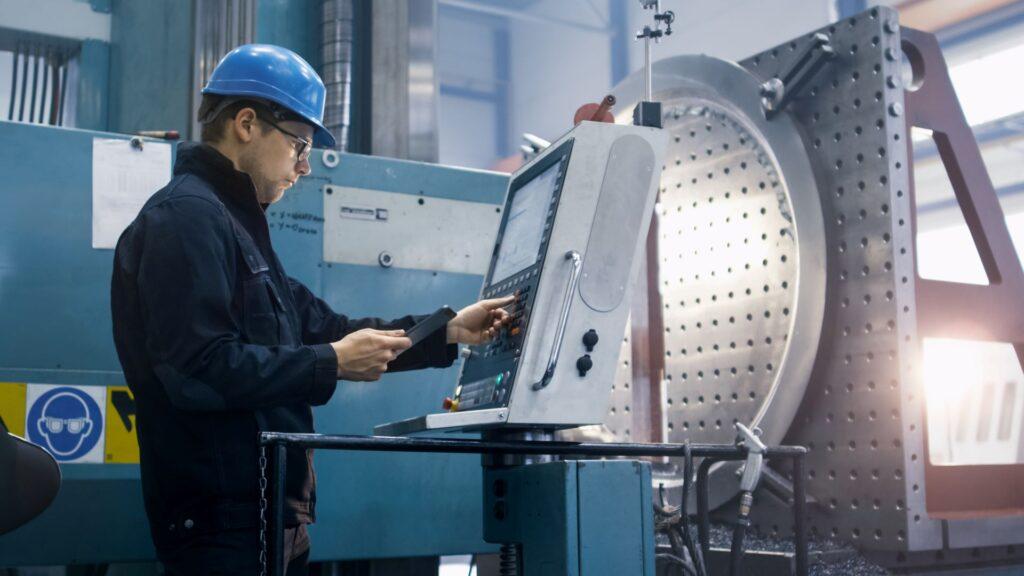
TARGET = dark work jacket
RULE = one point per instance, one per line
(217, 343)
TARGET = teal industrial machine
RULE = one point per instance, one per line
(54, 306)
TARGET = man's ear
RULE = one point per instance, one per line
(244, 124)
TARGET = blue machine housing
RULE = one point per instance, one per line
(55, 313)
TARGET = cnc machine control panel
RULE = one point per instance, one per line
(530, 209)
(567, 248)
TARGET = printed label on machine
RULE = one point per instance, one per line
(67, 421)
(12, 407)
(407, 231)
(122, 439)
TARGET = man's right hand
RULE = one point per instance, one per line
(364, 355)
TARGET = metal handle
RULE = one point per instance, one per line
(570, 289)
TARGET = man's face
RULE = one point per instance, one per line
(271, 159)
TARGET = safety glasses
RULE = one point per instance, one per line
(303, 147)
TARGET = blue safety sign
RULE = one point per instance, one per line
(67, 421)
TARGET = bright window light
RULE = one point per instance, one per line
(974, 400)
(949, 253)
(987, 87)
(456, 566)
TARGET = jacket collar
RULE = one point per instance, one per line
(208, 163)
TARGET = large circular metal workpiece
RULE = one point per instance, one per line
(741, 261)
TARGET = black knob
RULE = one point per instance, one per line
(590, 339)
(499, 488)
(584, 364)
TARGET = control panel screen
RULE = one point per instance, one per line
(524, 230)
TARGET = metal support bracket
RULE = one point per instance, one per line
(779, 91)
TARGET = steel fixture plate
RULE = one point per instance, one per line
(741, 271)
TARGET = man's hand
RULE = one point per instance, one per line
(364, 355)
(478, 323)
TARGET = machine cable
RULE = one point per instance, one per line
(674, 522)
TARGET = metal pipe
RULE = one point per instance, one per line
(14, 81)
(55, 89)
(46, 84)
(24, 84)
(35, 86)
(468, 446)
(703, 515)
(337, 50)
(648, 71)
(280, 460)
(63, 88)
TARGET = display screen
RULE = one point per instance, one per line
(524, 230)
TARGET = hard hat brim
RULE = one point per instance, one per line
(322, 137)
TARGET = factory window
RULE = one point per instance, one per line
(974, 409)
(34, 80)
(974, 412)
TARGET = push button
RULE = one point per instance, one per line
(584, 364)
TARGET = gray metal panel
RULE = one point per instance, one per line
(570, 399)
(617, 218)
(863, 414)
(401, 230)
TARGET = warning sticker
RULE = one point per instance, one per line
(12, 407)
(67, 421)
(122, 441)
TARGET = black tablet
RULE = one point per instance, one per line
(430, 324)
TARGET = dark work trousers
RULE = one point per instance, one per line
(235, 552)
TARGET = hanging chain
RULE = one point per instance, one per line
(263, 511)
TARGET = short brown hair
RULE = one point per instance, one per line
(212, 131)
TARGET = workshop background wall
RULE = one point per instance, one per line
(511, 67)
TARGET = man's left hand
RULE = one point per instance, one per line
(480, 322)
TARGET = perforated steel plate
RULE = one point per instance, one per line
(863, 411)
(741, 273)
(861, 418)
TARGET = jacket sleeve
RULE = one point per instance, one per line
(186, 282)
(321, 325)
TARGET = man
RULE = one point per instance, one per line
(218, 343)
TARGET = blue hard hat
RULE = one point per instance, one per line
(275, 74)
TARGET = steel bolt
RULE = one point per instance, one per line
(891, 25)
(895, 109)
(892, 82)
(890, 54)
